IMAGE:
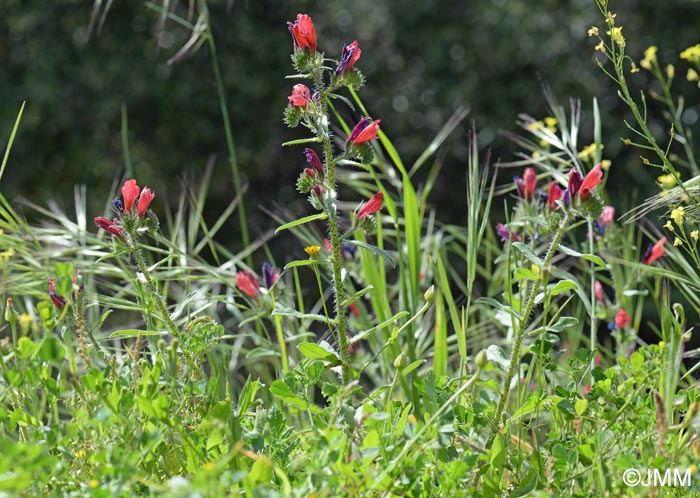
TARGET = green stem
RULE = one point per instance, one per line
(229, 142)
(83, 330)
(594, 329)
(280, 336)
(136, 251)
(522, 327)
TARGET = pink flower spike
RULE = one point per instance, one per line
(622, 319)
(529, 183)
(130, 191)
(145, 199)
(108, 225)
(348, 58)
(654, 252)
(247, 283)
(303, 33)
(593, 178)
(372, 206)
(607, 216)
(301, 95)
(599, 292)
(554, 193)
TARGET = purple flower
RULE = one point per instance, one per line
(270, 275)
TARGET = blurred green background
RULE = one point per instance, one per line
(422, 59)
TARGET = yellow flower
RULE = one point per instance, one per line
(662, 344)
(692, 75)
(605, 164)
(535, 269)
(693, 469)
(209, 466)
(616, 35)
(550, 122)
(7, 254)
(669, 226)
(588, 152)
(610, 18)
(535, 125)
(312, 250)
(670, 71)
(677, 242)
(634, 68)
(691, 54)
(649, 58)
(94, 483)
(694, 235)
(536, 154)
(600, 47)
(593, 31)
(668, 181)
(677, 215)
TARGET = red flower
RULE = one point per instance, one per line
(247, 283)
(130, 191)
(145, 199)
(622, 319)
(607, 216)
(313, 160)
(57, 300)
(554, 193)
(363, 131)
(303, 33)
(109, 225)
(529, 183)
(354, 309)
(348, 58)
(593, 178)
(372, 206)
(654, 252)
(301, 95)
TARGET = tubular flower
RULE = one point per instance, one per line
(554, 193)
(529, 183)
(303, 33)
(270, 275)
(654, 252)
(372, 206)
(247, 283)
(598, 287)
(301, 95)
(505, 234)
(130, 192)
(57, 300)
(348, 58)
(622, 319)
(145, 199)
(605, 219)
(313, 160)
(583, 187)
(109, 225)
(363, 131)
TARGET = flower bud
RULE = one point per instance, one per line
(10, 313)
(481, 360)
(401, 361)
(429, 294)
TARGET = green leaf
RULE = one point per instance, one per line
(375, 250)
(301, 221)
(500, 306)
(357, 295)
(581, 406)
(136, 333)
(282, 391)
(563, 286)
(526, 274)
(304, 262)
(528, 253)
(314, 351)
(498, 452)
(589, 257)
(297, 314)
(301, 141)
(412, 366)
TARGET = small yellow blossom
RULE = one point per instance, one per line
(535, 125)
(692, 75)
(649, 58)
(610, 18)
(692, 54)
(634, 68)
(544, 143)
(693, 469)
(312, 250)
(669, 226)
(7, 254)
(694, 235)
(535, 269)
(588, 152)
(593, 31)
(668, 181)
(677, 215)
(662, 344)
(550, 122)
(677, 242)
(616, 35)
(600, 47)
(209, 466)
(605, 164)
(670, 71)
(94, 483)
(536, 154)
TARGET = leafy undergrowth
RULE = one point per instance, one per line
(392, 354)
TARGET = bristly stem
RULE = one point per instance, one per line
(334, 235)
(136, 251)
(522, 327)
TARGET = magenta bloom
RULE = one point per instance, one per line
(303, 33)
(599, 292)
(505, 234)
(348, 58)
(247, 283)
(145, 199)
(583, 187)
(130, 192)
(313, 160)
(301, 95)
(111, 226)
(654, 252)
(270, 275)
(364, 131)
(58, 301)
(372, 206)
